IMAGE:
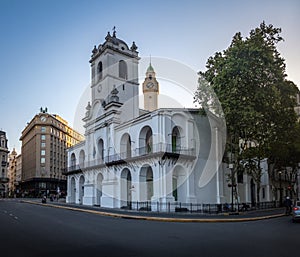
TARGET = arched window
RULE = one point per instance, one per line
(122, 69)
(101, 150)
(149, 142)
(146, 140)
(125, 146)
(73, 160)
(81, 159)
(175, 140)
(99, 70)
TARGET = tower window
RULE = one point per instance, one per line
(99, 70)
(122, 69)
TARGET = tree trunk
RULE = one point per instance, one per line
(258, 182)
(257, 193)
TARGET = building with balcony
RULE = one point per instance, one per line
(12, 173)
(4, 164)
(44, 142)
(18, 175)
(150, 155)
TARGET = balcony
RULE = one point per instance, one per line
(4, 180)
(4, 163)
(160, 150)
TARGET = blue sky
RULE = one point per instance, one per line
(46, 45)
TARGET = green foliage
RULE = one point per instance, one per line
(258, 101)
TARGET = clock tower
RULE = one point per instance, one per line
(150, 90)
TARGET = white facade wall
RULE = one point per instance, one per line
(164, 156)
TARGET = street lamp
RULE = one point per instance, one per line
(232, 182)
(297, 182)
(280, 189)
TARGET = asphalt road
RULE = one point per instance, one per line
(34, 230)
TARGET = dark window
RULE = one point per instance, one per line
(122, 69)
(99, 70)
(240, 176)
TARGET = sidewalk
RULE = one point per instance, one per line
(163, 216)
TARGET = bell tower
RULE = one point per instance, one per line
(150, 90)
(114, 68)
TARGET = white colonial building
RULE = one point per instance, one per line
(132, 155)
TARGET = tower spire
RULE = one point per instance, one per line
(114, 31)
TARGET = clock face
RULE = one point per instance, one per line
(150, 85)
(43, 118)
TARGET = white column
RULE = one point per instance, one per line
(191, 197)
(69, 192)
(88, 197)
(156, 187)
(77, 191)
(167, 196)
(111, 191)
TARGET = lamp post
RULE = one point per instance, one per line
(297, 182)
(232, 182)
(280, 189)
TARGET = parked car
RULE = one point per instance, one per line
(296, 211)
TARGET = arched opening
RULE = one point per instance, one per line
(176, 144)
(99, 189)
(179, 184)
(99, 70)
(81, 159)
(73, 190)
(73, 161)
(125, 147)
(146, 141)
(81, 189)
(126, 188)
(100, 151)
(146, 184)
(122, 69)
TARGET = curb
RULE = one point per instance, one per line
(151, 218)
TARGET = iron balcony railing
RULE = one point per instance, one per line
(4, 180)
(149, 150)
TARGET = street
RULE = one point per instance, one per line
(34, 230)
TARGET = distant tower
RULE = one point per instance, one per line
(150, 90)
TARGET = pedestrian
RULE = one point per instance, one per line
(288, 205)
(226, 207)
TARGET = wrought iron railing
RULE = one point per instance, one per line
(198, 207)
(148, 150)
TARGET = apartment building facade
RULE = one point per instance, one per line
(4, 164)
(44, 143)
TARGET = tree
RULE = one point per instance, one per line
(258, 101)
